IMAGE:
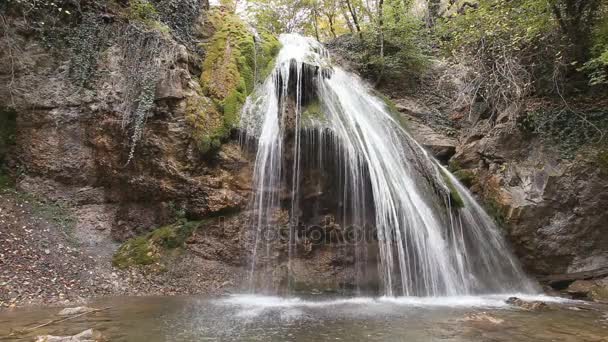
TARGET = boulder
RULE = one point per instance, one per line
(75, 311)
(89, 335)
(596, 290)
(170, 85)
(483, 317)
(439, 145)
(534, 305)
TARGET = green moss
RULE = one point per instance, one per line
(466, 177)
(268, 48)
(454, 166)
(495, 210)
(144, 12)
(392, 108)
(313, 111)
(229, 76)
(207, 122)
(602, 160)
(455, 199)
(8, 119)
(137, 251)
(147, 250)
(5, 180)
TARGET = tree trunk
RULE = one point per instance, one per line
(330, 19)
(347, 19)
(575, 18)
(315, 22)
(381, 38)
(353, 13)
(433, 11)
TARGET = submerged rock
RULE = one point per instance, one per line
(89, 335)
(483, 317)
(75, 311)
(534, 305)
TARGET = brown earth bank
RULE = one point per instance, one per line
(95, 207)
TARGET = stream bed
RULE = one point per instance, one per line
(265, 318)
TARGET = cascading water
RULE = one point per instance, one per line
(432, 238)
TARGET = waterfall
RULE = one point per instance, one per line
(314, 125)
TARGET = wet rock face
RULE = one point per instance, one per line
(72, 145)
(596, 290)
(551, 209)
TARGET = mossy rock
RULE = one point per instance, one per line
(148, 249)
(136, 251)
(314, 112)
(456, 200)
(602, 160)
(467, 177)
(454, 165)
(268, 49)
(231, 67)
(391, 107)
(5, 180)
(144, 13)
(599, 293)
(496, 211)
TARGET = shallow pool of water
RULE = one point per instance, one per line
(260, 318)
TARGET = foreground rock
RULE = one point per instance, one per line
(527, 305)
(75, 311)
(596, 290)
(483, 317)
(89, 335)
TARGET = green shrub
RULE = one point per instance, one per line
(142, 10)
(466, 177)
(597, 66)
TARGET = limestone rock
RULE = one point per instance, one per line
(75, 311)
(596, 290)
(552, 209)
(441, 146)
(483, 317)
(89, 335)
(527, 305)
(170, 85)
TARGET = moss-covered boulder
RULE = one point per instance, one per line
(148, 249)
(466, 177)
(456, 200)
(234, 61)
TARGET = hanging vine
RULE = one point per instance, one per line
(145, 54)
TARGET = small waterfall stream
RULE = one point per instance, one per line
(312, 122)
